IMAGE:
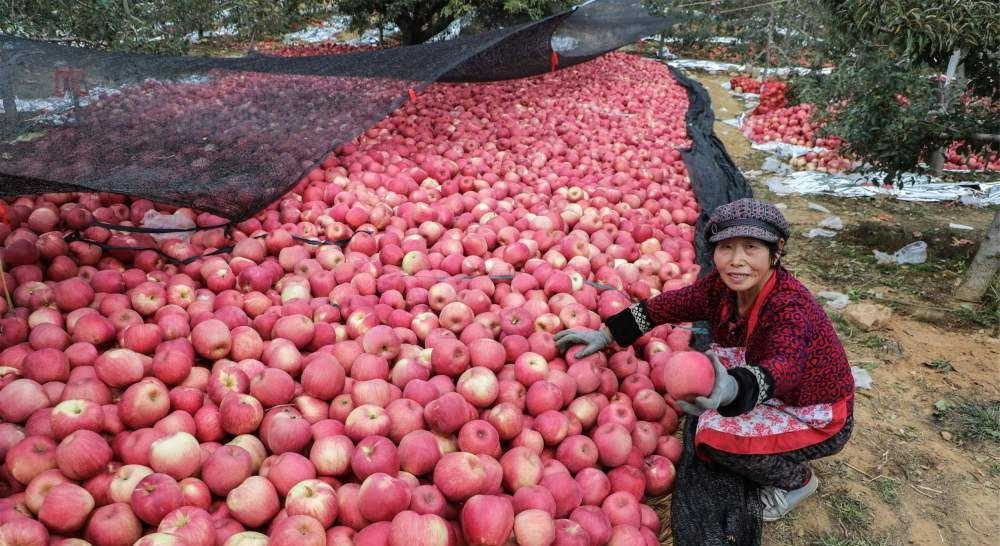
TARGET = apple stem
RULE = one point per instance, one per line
(6, 291)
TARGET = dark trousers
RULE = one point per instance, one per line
(782, 470)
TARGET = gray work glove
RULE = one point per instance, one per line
(595, 340)
(723, 392)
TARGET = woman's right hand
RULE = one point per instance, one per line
(595, 340)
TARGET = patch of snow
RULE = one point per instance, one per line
(229, 30)
(325, 32)
(453, 31)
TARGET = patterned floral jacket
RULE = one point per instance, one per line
(794, 353)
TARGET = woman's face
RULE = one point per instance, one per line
(743, 263)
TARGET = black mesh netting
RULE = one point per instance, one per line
(231, 135)
(710, 506)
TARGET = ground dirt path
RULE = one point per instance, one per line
(922, 467)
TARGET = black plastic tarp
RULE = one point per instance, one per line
(710, 506)
(231, 135)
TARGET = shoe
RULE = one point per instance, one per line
(778, 502)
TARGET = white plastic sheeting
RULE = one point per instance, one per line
(716, 67)
(918, 188)
(332, 28)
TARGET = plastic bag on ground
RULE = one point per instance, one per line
(835, 300)
(913, 253)
(774, 165)
(820, 232)
(862, 379)
(832, 222)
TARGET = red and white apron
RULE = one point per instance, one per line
(773, 426)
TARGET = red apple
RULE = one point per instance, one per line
(227, 467)
(313, 498)
(254, 502)
(193, 525)
(331, 455)
(297, 530)
(144, 403)
(155, 496)
(413, 529)
(534, 528)
(66, 508)
(83, 454)
(487, 520)
(381, 497)
(30, 457)
(176, 455)
(211, 339)
(459, 475)
(20, 398)
(419, 452)
(23, 531)
(521, 468)
(113, 525)
(374, 454)
(73, 415)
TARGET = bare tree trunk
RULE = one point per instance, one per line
(984, 265)
(937, 159)
(767, 51)
(7, 92)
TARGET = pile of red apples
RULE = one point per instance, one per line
(773, 121)
(401, 389)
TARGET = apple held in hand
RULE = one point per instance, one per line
(688, 375)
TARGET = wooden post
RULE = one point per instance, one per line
(984, 265)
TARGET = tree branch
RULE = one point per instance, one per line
(984, 137)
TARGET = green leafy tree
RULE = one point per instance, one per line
(420, 20)
(911, 77)
(160, 26)
(764, 34)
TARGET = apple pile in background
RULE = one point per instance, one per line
(403, 389)
(773, 121)
(321, 48)
(955, 161)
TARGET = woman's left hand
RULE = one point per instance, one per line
(723, 391)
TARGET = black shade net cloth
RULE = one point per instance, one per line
(231, 135)
(710, 506)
